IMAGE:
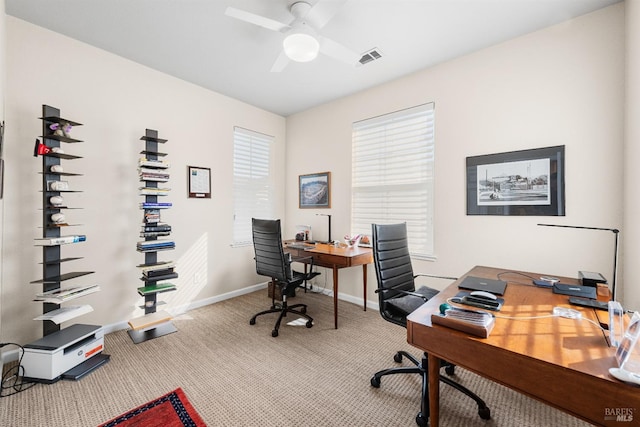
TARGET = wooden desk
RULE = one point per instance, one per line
(561, 362)
(336, 258)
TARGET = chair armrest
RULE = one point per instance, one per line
(415, 294)
(435, 276)
(304, 260)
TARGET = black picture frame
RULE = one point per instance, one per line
(314, 190)
(525, 182)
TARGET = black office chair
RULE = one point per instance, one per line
(271, 261)
(398, 297)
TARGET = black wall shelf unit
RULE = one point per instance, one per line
(53, 171)
(153, 172)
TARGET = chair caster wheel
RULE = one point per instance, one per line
(375, 382)
(309, 324)
(274, 333)
(450, 369)
(252, 321)
(421, 420)
(397, 357)
(485, 413)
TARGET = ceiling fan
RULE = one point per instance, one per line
(302, 42)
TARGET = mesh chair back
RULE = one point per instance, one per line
(269, 255)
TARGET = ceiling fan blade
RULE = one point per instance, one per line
(338, 51)
(259, 20)
(281, 62)
(323, 11)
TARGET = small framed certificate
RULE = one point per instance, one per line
(199, 180)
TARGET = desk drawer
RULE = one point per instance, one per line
(328, 260)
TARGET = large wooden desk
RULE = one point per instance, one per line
(335, 258)
(561, 362)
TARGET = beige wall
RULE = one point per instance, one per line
(116, 100)
(559, 86)
(631, 228)
(2, 92)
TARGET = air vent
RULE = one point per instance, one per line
(370, 56)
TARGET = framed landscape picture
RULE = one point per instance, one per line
(315, 190)
(526, 182)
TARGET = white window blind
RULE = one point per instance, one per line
(252, 187)
(392, 174)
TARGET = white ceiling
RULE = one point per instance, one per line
(195, 41)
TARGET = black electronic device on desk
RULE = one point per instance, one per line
(479, 299)
(574, 290)
(591, 303)
(474, 283)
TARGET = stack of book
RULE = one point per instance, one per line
(156, 288)
(62, 240)
(154, 191)
(156, 205)
(158, 274)
(151, 216)
(147, 174)
(155, 163)
(155, 230)
(155, 245)
(60, 295)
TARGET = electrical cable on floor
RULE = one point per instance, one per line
(318, 289)
(13, 379)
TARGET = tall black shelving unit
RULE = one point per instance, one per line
(51, 255)
(153, 170)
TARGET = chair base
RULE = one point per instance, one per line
(421, 367)
(283, 310)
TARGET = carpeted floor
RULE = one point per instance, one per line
(238, 375)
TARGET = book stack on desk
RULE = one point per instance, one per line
(478, 323)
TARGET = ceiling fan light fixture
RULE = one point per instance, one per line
(301, 46)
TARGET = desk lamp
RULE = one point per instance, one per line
(615, 231)
(329, 238)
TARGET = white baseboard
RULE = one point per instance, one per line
(12, 355)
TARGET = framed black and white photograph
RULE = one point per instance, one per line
(315, 190)
(526, 182)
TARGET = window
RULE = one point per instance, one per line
(392, 174)
(252, 186)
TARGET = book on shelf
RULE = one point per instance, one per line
(155, 233)
(62, 240)
(157, 265)
(156, 288)
(149, 320)
(172, 275)
(157, 272)
(159, 164)
(152, 216)
(151, 170)
(152, 191)
(60, 295)
(155, 205)
(63, 314)
(158, 227)
(155, 243)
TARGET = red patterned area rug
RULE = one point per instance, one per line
(171, 410)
